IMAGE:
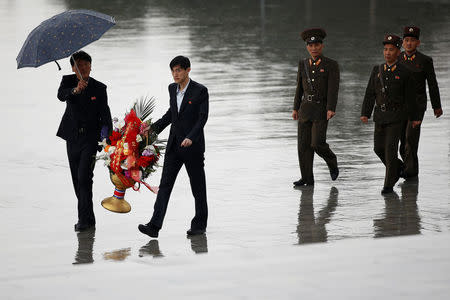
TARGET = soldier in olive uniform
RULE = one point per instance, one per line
(314, 104)
(391, 91)
(422, 70)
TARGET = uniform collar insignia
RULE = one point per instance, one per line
(391, 67)
(315, 62)
(409, 57)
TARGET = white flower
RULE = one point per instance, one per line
(138, 138)
(150, 148)
(107, 162)
(118, 124)
(103, 143)
(111, 150)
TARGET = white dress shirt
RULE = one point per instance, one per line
(180, 94)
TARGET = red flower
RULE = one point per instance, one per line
(145, 161)
(115, 136)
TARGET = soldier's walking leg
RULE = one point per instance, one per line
(379, 141)
(319, 144)
(403, 140)
(305, 152)
(411, 159)
(393, 164)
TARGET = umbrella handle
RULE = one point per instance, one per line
(59, 67)
(76, 66)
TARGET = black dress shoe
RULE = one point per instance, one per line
(195, 231)
(387, 190)
(301, 182)
(83, 227)
(334, 173)
(149, 230)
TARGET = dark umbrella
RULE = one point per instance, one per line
(61, 36)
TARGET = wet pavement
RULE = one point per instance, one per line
(247, 55)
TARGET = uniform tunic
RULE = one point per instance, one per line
(422, 69)
(313, 98)
(390, 109)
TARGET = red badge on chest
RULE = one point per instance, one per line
(322, 70)
(190, 102)
(93, 98)
(397, 77)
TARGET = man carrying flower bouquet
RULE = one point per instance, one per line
(86, 121)
(187, 114)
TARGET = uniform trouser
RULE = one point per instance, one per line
(312, 138)
(409, 145)
(81, 154)
(386, 139)
(194, 164)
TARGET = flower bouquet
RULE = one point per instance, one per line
(131, 153)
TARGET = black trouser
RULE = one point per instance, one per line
(81, 154)
(409, 145)
(386, 138)
(312, 138)
(194, 164)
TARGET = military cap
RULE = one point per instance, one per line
(313, 35)
(393, 40)
(411, 31)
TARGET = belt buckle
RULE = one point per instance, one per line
(310, 98)
(383, 107)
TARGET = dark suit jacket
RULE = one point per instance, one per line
(88, 110)
(422, 70)
(189, 122)
(400, 95)
(325, 82)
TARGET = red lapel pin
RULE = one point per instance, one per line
(93, 98)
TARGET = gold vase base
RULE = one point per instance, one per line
(116, 205)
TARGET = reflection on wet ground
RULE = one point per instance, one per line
(311, 229)
(401, 216)
(246, 53)
(84, 254)
(199, 243)
(117, 255)
(152, 249)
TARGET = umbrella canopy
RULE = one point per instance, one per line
(62, 35)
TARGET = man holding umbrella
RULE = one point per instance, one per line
(87, 112)
(86, 120)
